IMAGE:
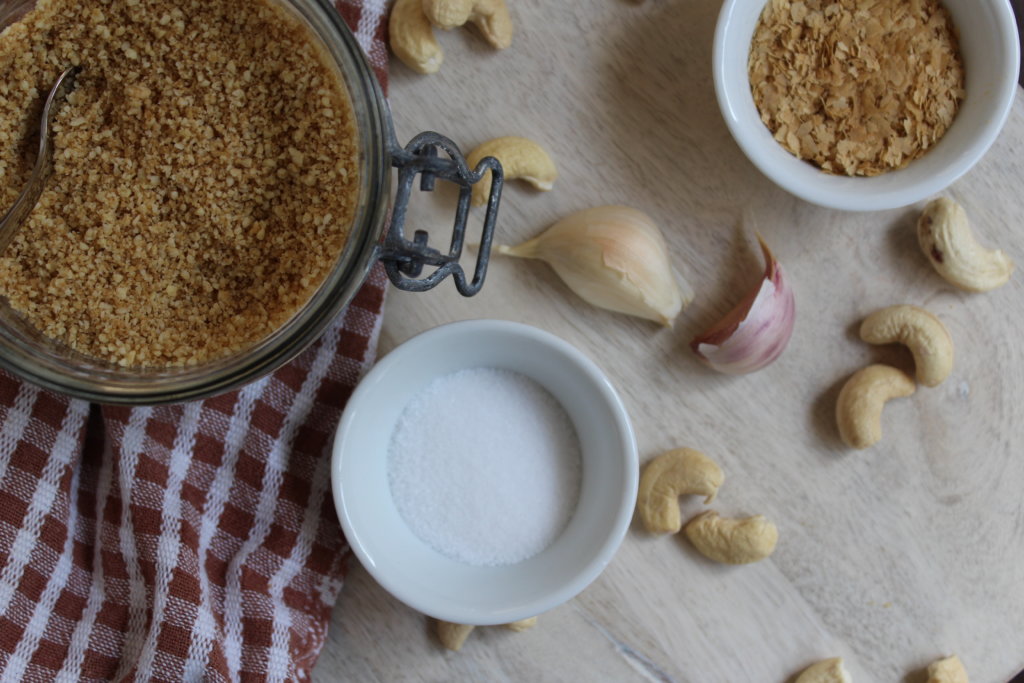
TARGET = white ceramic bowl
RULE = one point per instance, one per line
(414, 572)
(991, 54)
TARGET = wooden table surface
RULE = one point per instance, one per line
(889, 557)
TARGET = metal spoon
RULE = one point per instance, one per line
(26, 201)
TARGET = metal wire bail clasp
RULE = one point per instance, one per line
(403, 257)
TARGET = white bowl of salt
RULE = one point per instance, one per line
(485, 472)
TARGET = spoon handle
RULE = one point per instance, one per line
(26, 201)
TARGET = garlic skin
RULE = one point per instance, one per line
(613, 257)
(757, 330)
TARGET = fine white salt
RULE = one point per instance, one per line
(484, 466)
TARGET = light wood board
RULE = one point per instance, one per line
(889, 557)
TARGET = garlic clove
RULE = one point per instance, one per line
(757, 330)
(613, 257)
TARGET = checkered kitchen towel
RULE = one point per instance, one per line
(187, 542)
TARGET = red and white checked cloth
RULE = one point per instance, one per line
(187, 542)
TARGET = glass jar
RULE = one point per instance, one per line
(26, 352)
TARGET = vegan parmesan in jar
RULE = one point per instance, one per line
(856, 87)
(204, 182)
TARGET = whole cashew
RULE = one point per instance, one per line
(412, 37)
(732, 541)
(945, 237)
(825, 671)
(923, 333)
(683, 471)
(520, 158)
(947, 670)
(452, 635)
(490, 16)
(859, 408)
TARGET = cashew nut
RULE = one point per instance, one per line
(520, 158)
(490, 16)
(825, 671)
(923, 333)
(683, 471)
(412, 37)
(732, 541)
(452, 636)
(947, 670)
(859, 408)
(522, 624)
(945, 237)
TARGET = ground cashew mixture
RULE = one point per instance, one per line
(856, 87)
(204, 175)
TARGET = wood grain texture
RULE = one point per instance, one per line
(890, 557)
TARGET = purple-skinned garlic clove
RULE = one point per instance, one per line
(757, 330)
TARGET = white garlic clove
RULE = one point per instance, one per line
(757, 330)
(613, 257)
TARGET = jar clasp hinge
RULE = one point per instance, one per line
(405, 259)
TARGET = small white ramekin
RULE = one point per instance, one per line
(991, 55)
(414, 572)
